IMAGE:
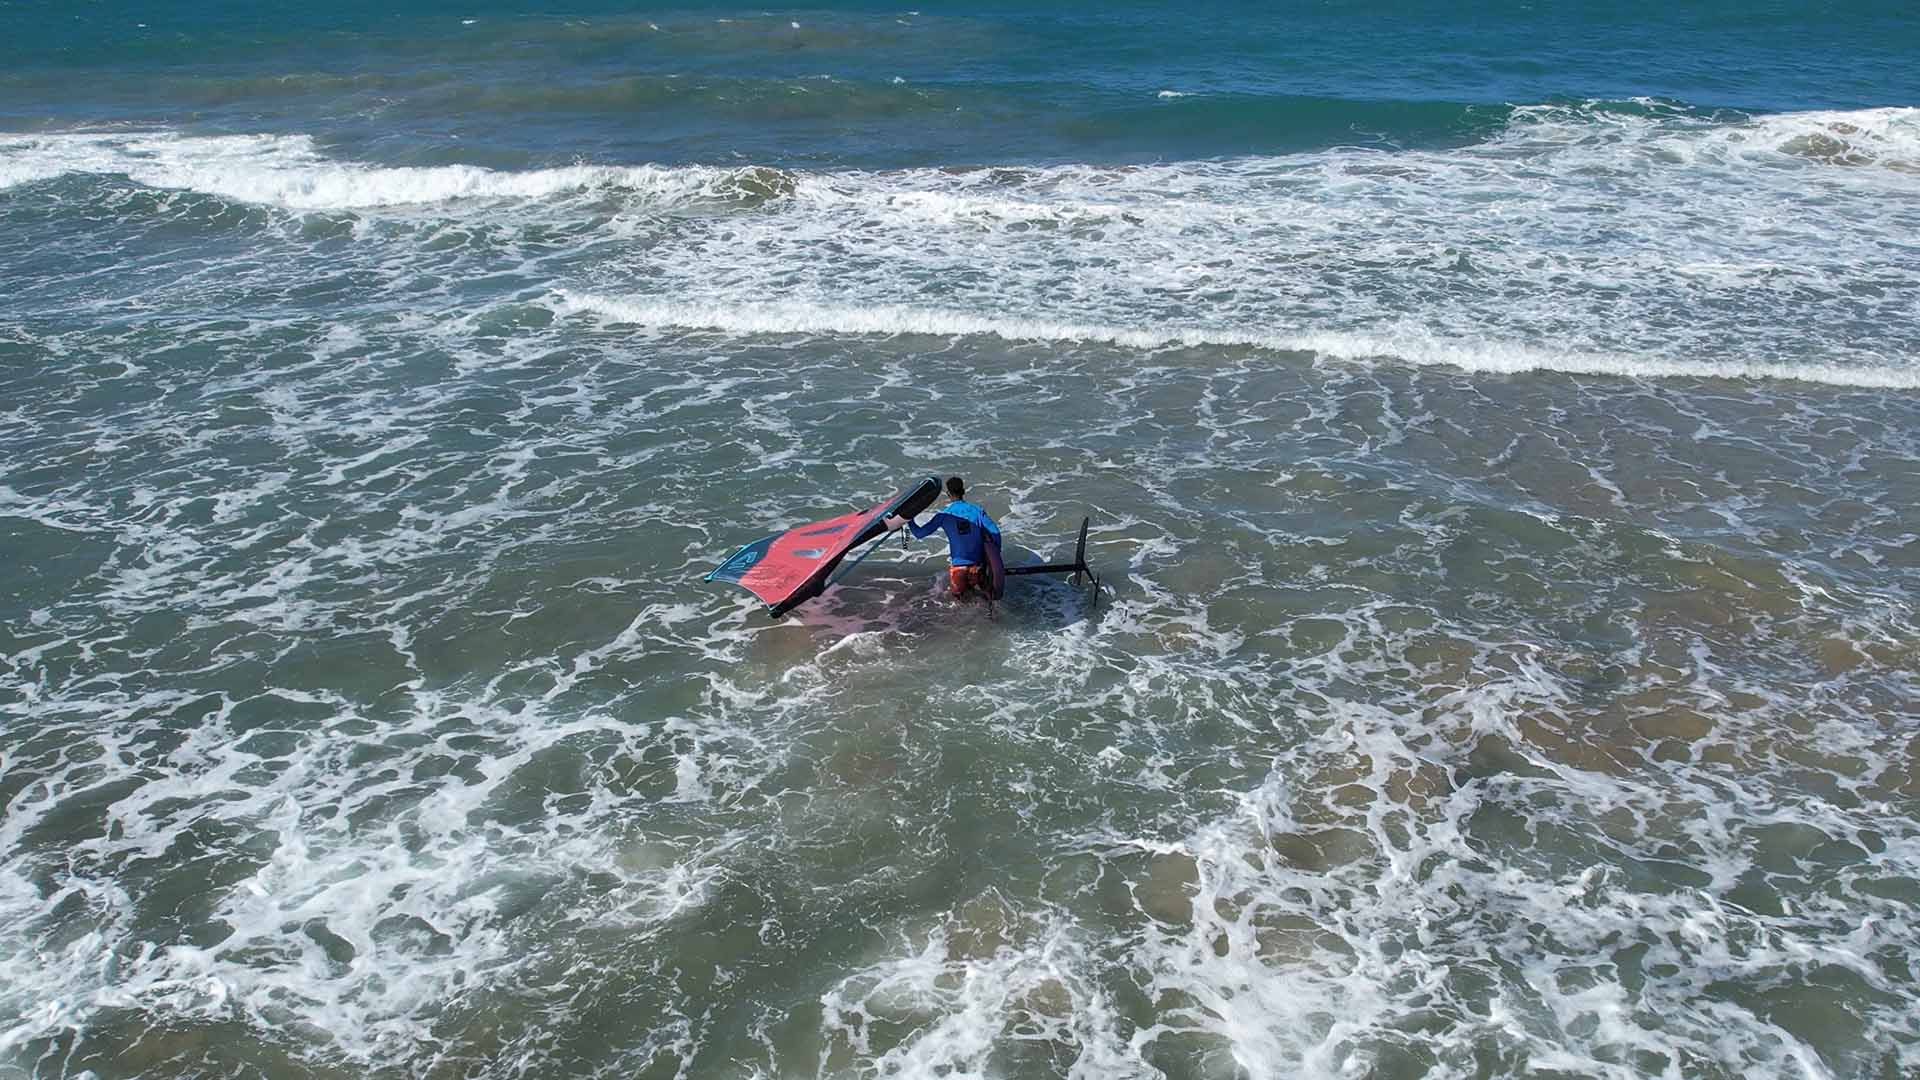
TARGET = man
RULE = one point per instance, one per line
(969, 530)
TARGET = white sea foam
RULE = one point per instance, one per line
(1885, 137)
(289, 171)
(1575, 240)
(1331, 921)
(1333, 908)
(1639, 241)
(1413, 345)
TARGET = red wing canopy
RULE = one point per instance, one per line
(788, 569)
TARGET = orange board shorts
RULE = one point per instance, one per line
(962, 580)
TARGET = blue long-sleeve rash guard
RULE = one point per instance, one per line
(967, 527)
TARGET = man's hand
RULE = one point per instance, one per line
(895, 522)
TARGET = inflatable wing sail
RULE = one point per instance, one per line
(787, 569)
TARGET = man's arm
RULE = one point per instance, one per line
(920, 532)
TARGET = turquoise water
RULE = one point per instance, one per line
(1498, 426)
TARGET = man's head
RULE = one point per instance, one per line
(956, 488)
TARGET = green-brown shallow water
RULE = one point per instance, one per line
(1500, 435)
(1433, 720)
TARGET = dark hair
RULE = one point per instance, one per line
(956, 487)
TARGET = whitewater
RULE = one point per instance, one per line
(1350, 253)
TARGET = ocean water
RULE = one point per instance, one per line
(1500, 426)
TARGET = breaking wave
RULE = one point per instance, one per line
(289, 171)
(1413, 346)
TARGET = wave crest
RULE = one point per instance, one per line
(1675, 132)
(288, 171)
(1411, 345)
